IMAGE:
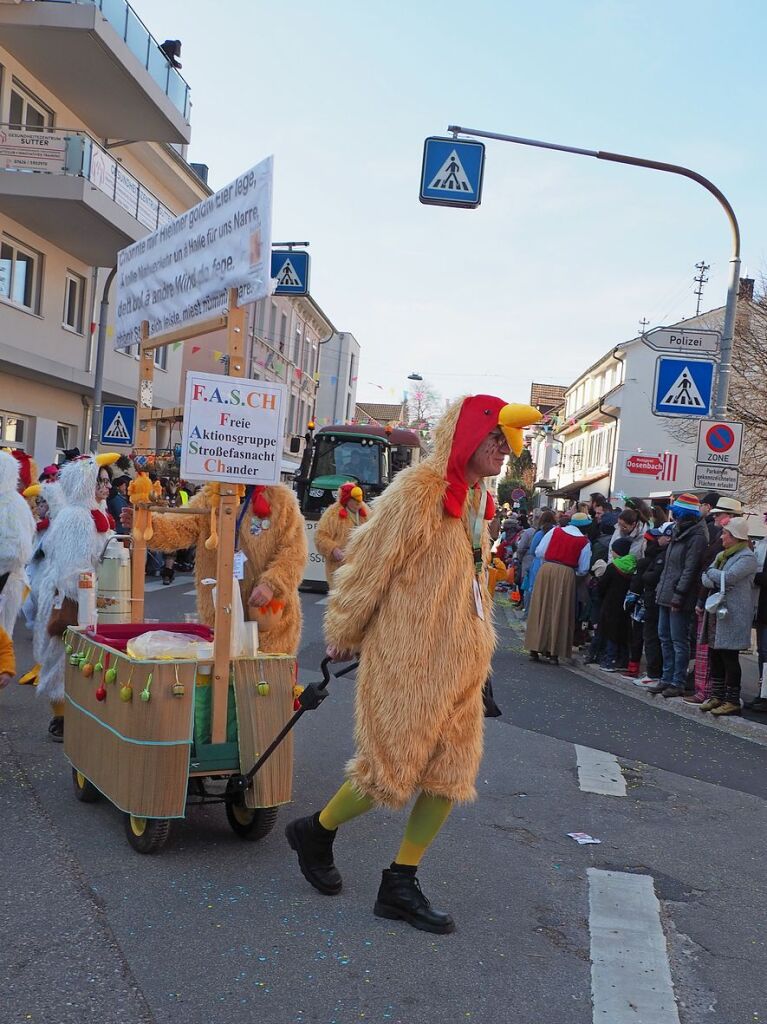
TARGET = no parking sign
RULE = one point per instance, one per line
(719, 442)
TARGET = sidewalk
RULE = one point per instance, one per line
(511, 630)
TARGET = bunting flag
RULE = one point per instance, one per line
(316, 378)
(195, 348)
(217, 356)
(334, 380)
(110, 331)
(176, 345)
(583, 425)
(353, 379)
(297, 373)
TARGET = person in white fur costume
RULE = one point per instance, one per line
(17, 533)
(73, 544)
(50, 501)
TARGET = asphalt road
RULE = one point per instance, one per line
(214, 928)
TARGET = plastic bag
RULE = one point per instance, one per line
(161, 644)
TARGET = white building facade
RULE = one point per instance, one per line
(339, 367)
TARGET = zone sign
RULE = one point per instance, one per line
(719, 442)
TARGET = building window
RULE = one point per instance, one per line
(26, 111)
(161, 357)
(283, 331)
(64, 435)
(297, 344)
(292, 415)
(272, 336)
(13, 430)
(260, 315)
(20, 270)
(74, 301)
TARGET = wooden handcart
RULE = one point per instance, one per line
(134, 728)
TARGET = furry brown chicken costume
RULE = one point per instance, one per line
(411, 598)
(335, 527)
(276, 556)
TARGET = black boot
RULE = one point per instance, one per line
(167, 575)
(400, 899)
(314, 846)
(56, 729)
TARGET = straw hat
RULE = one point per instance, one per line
(730, 506)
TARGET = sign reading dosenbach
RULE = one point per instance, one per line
(180, 274)
(233, 429)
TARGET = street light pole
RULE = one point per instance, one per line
(98, 376)
(725, 361)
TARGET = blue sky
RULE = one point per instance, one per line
(566, 254)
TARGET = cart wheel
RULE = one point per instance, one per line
(146, 835)
(250, 822)
(84, 791)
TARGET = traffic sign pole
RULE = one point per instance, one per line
(725, 363)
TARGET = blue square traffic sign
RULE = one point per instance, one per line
(118, 423)
(290, 269)
(683, 387)
(451, 172)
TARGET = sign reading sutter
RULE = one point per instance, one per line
(180, 274)
(233, 429)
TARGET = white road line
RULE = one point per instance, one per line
(630, 974)
(599, 772)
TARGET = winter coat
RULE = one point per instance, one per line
(404, 598)
(649, 572)
(612, 588)
(333, 531)
(525, 550)
(275, 557)
(733, 631)
(678, 583)
(600, 549)
(760, 582)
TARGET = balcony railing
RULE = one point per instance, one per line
(142, 44)
(56, 151)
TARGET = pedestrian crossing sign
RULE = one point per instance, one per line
(451, 172)
(290, 271)
(118, 424)
(683, 387)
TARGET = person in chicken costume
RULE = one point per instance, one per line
(336, 525)
(270, 535)
(412, 599)
(74, 544)
(17, 532)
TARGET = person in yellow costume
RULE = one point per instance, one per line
(411, 599)
(335, 527)
(270, 535)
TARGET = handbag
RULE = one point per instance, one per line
(62, 617)
(715, 601)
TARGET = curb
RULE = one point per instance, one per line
(754, 732)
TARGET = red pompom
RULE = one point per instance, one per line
(343, 513)
(259, 504)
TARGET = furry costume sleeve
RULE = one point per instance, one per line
(72, 547)
(175, 532)
(284, 572)
(407, 515)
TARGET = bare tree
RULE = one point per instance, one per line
(748, 396)
(424, 404)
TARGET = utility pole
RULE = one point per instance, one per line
(643, 326)
(700, 280)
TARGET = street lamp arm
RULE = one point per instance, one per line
(728, 325)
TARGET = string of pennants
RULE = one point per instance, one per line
(553, 422)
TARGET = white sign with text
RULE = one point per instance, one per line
(234, 429)
(180, 274)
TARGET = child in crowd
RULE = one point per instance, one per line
(614, 619)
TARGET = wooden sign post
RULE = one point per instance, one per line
(234, 322)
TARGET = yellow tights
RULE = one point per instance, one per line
(426, 819)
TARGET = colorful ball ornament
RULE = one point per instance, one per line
(110, 676)
(87, 669)
(101, 692)
(126, 693)
(99, 666)
(263, 688)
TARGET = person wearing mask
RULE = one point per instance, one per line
(677, 593)
(566, 554)
(729, 624)
(644, 584)
(335, 527)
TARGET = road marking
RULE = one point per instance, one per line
(599, 772)
(323, 600)
(630, 973)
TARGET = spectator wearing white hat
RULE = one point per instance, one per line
(728, 625)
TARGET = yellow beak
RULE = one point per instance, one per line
(107, 458)
(356, 493)
(512, 418)
(33, 491)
